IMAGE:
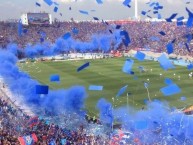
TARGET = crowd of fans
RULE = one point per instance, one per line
(143, 34)
(10, 119)
(14, 123)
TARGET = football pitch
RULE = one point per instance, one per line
(108, 73)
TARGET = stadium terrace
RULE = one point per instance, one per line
(97, 81)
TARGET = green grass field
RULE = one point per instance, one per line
(108, 73)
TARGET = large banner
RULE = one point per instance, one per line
(146, 49)
(28, 140)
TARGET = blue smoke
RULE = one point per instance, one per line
(58, 101)
(163, 125)
(106, 111)
(71, 99)
(97, 42)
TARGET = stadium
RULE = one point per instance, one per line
(97, 81)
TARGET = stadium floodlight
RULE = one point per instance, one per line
(136, 9)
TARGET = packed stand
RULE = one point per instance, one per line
(15, 124)
(143, 34)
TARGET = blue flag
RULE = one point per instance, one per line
(42, 89)
(66, 36)
(48, 2)
(63, 141)
(140, 56)
(127, 68)
(121, 91)
(54, 78)
(165, 63)
(83, 12)
(20, 28)
(99, 1)
(95, 88)
(83, 66)
(170, 90)
(52, 142)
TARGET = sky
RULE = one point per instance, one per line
(109, 10)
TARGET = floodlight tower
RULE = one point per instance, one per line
(136, 9)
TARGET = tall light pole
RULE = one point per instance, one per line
(136, 9)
